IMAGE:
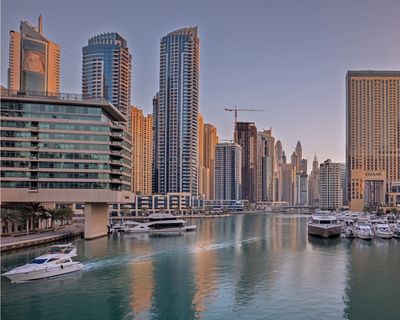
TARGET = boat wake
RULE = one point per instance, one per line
(222, 245)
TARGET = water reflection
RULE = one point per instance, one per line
(244, 267)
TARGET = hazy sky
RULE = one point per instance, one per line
(289, 57)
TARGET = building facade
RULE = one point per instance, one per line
(246, 137)
(210, 142)
(313, 184)
(156, 102)
(34, 61)
(372, 137)
(106, 70)
(288, 172)
(265, 166)
(228, 171)
(178, 112)
(142, 151)
(63, 149)
(330, 186)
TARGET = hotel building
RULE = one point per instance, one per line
(34, 61)
(106, 70)
(177, 112)
(373, 138)
(265, 166)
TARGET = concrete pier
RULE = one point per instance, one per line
(96, 220)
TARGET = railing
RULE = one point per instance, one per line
(74, 97)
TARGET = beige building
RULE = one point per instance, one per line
(207, 141)
(372, 138)
(142, 151)
(34, 61)
(330, 185)
(265, 166)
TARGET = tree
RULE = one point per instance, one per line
(32, 211)
(61, 214)
(11, 216)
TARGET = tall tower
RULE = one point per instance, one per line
(228, 175)
(313, 184)
(210, 141)
(246, 137)
(373, 138)
(34, 61)
(265, 165)
(156, 104)
(178, 112)
(330, 187)
(142, 151)
(106, 70)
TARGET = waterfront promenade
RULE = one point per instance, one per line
(18, 242)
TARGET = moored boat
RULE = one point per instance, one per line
(363, 230)
(324, 225)
(382, 230)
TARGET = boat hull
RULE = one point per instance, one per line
(324, 231)
(383, 235)
(44, 273)
(364, 236)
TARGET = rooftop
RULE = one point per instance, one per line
(61, 98)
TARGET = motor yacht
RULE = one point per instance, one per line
(324, 225)
(382, 230)
(166, 222)
(135, 227)
(54, 263)
(363, 230)
(396, 230)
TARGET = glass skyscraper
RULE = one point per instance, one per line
(106, 70)
(177, 112)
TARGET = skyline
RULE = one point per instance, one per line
(297, 75)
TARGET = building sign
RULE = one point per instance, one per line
(374, 174)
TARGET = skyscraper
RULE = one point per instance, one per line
(202, 173)
(265, 165)
(372, 138)
(246, 137)
(313, 184)
(228, 171)
(106, 70)
(156, 102)
(210, 140)
(142, 151)
(34, 62)
(178, 111)
(288, 172)
(330, 187)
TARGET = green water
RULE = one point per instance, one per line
(243, 267)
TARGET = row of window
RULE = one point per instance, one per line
(50, 108)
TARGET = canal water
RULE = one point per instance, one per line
(258, 266)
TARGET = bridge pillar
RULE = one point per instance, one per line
(96, 220)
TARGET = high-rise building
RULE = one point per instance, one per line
(156, 102)
(299, 151)
(210, 141)
(330, 187)
(313, 184)
(142, 151)
(288, 172)
(34, 61)
(278, 157)
(302, 188)
(265, 166)
(202, 172)
(246, 137)
(178, 112)
(372, 138)
(106, 70)
(228, 171)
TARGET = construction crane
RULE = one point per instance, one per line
(236, 109)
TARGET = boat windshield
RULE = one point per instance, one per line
(38, 261)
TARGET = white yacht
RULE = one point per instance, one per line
(166, 222)
(363, 230)
(135, 227)
(324, 225)
(54, 263)
(396, 230)
(382, 230)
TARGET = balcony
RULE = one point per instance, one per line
(117, 135)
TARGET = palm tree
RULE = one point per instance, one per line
(61, 214)
(32, 211)
(11, 216)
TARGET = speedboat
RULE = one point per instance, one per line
(166, 222)
(324, 225)
(363, 230)
(396, 231)
(382, 230)
(54, 263)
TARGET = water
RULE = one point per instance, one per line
(243, 267)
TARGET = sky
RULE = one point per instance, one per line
(288, 57)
